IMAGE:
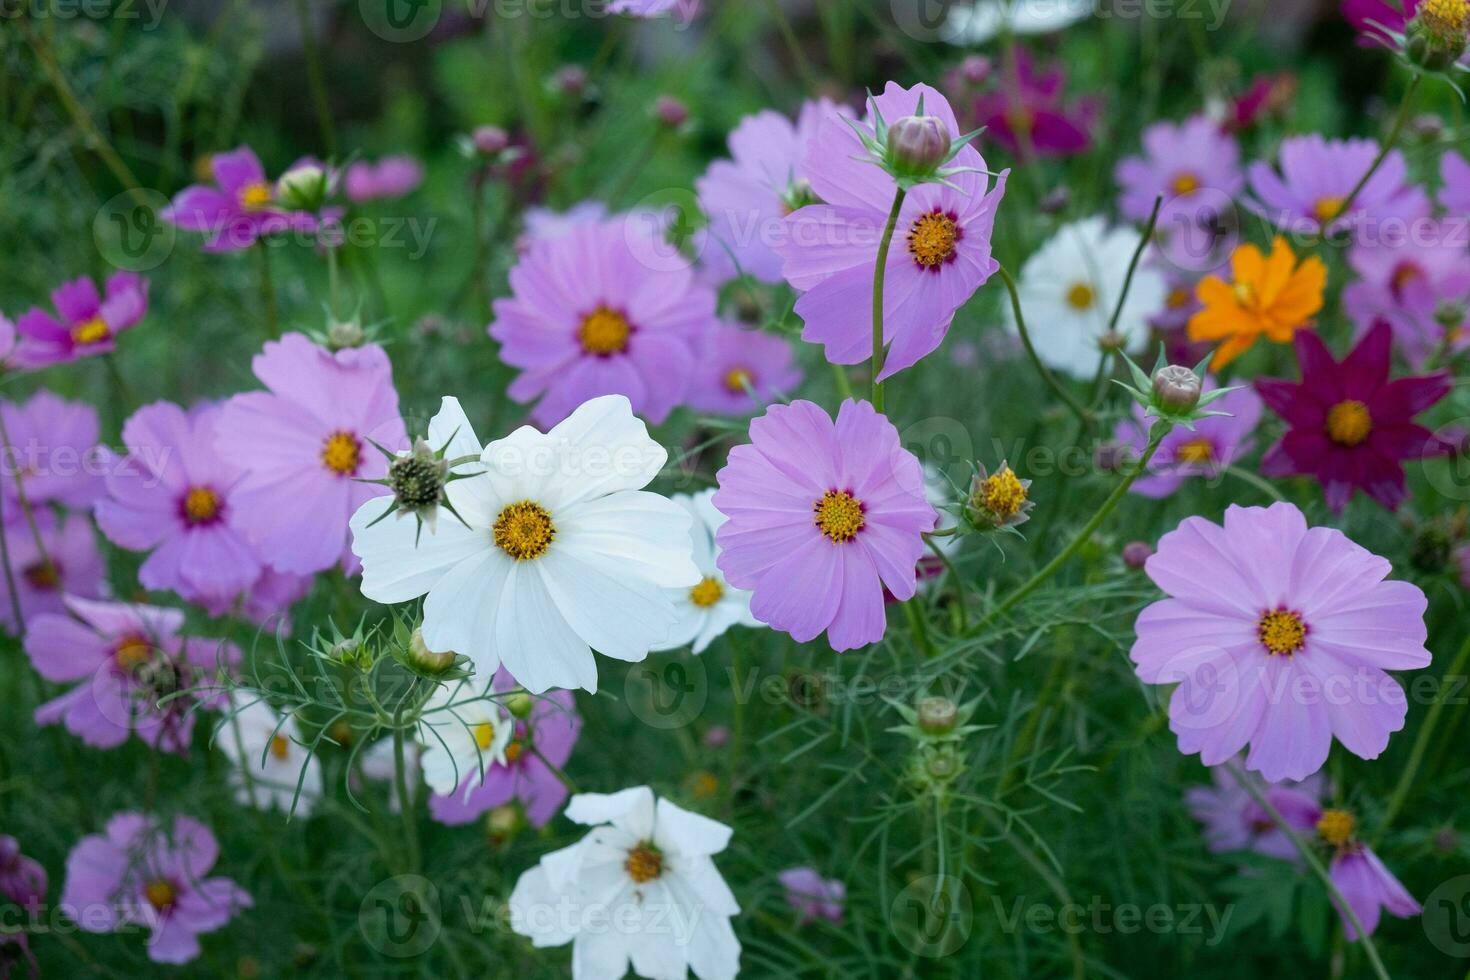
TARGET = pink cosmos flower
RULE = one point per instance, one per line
(66, 563)
(601, 310)
(15, 352)
(85, 323)
(174, 495)
(1351, 427)
(1454, 185)
(1234, 821)
(1369, 888)
(746, 196)
(308, 439)
(1371, 17)
(1417, 284)
(128, 658)
(732, 356)
(552, 730)
(54, 446)
(142, 874)
(813, 897)
(1180, 302)
(544, 224)
(1025, 113)
(1278, 636)
(1318, 175)
(1179, 161)
(939, 256)
(240, 209)
(822, 516)
(22, 879)
(1215, 443)
(268, 602)
(390, 177)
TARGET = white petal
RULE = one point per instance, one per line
(601, 954)
(599, 449)
(630, 809)
(534, 910)
(451, 428)
(684, 832)
(647, 535)
(460, 612)
(615, 613)
(536, 643)
(394, 569)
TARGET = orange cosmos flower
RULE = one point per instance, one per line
(1270, 295)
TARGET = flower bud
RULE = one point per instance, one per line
(424, 658)
(1436, 37)
(917, 145)
(942, 764)
(975, 69)
(1112, 341)
(571, 80)
(1137, 553)
(504, 822)
(1056, 200)
(938, 715)
(519, 705)
(1176, 389)
(670, 111)
(303, 188)
(717, 737)
(417, 480)
(490, 140)
(345, 333)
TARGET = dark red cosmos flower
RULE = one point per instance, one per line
(1370, 17)
(1025, 112)
(1350, 426)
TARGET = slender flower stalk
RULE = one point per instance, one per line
(25, 504)
(1083, 415)
(898, 196)
(405, 802)
(1405, 107)
(1099, 383)
(1422, 740)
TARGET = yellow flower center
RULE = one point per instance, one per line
(484, 735)
(255, 196)
(1195, 451)
(1348, 423)
(737, 380)
(43, 576)
(1179, 298)
(604, 332)
(524, 530)
(201, 505)
(280, 747)
(1080, 296)
(1245, 294)
(91, 331)
(513, 751)
(1445, 18)
(1328, 208)
(839, 515)
(132, 651)
(1003, 494)
(160, 894)
(1404, 274)
(1021, 120)
(932, 239)
(704, 784)
(644, 863)
(1336, 827)
(342, 453)
(1282, 631)
(1185, 183)
(708, 592)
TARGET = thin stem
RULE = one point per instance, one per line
(267, 291)
(1421, 741)
(1148, 234)
(15, 610)
(844, 387)
(1383, 152)
(878, 271)
(556, 771)
(315, 79)
(1315, 863)
(1256, 481)
(1032, 584)
(788, 36)
(1066, 396)
(400, 778)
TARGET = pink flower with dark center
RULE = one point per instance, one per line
(1350, 426)
(1234, 821)
(390, 177)
(1278, 636)
(1025, 112)
(140, 873)
(54, 447)
(309, 439)
(1417, 284)
(1315, 184)
(85, 323)
(823, 517)
(734, 360)
(64, 563)
(174, 495)
(241, 208)
(940, 253)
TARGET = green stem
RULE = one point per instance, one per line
(1161, 429)
(844, 387)
(15, 610)
(1315, 863)
(1066, 396)
(8, 450)
(400, 778)
(315, 80)
(788, 36)
(1383, 152)
(878, 271)
(1421, 741)
(1256, 481)
(1148, 234)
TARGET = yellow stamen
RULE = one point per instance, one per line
(1179, 298)
(201, 505)
(1195, 451)
(932, 239)
(255, 196)
(160, 894)
(1003, 494)
(839, 515)
(524, 530)
(1349, 423)
(644, 863)
(707, 592)
(1336, 827)
(90, 331)
(513, 751)
(737, 380)
(1282, 631)
(131, 652)
(1328, 208)
(604, 332)
(1185, 183)
(1447, 19)
(280, 747)
(484, 735)
(342, 453)
(1080, 296)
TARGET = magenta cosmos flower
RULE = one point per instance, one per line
(174, 495)
(241, 208)
(601, 310)
(128, 658)
(941, 245)
(811, 896)
(1372, 17)
(1179, 160)
(1278, 636)
(822, 517)
(1318, 175)
(66, 562)
(1215, 443)
(54, 447)
(23, 880)
(85, 322)
(390, 177)
(308, 439)
(550, 732)
(1234, 821)
(139, 873)
(1417, 284)
(1025, 112)
(1369, 888)
(1454, 185)
(732, 361)
(1350, 426)
(747, 196)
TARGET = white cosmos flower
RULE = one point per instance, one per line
(640, 887)
(463, 734)
(712, 606)
(1069, 288)
(982, 20)
(269, 761)
(563, 550)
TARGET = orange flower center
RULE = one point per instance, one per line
(1185, 183)
(1179, 298)
(43, 576)
(1003, 493)
(737, 380)
(90, 331)
(524, 530)
(932, 239)
(839, 515)
(1282, 632)
(484, 734)
(644, 863)
(604, 332)
(280, 747)
(201, 505)
(707, 592)
(160, 894)
(131, 652)
(1349, 423)
(1195, 451)
(342, 453)
(1327, 208)
(1081, 296)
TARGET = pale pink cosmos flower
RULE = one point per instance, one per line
(390, 177)
(734, 360)
(55, 450)
(813, 897)
(64, 561)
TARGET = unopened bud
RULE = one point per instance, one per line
(1436, 37)
(491, 140)
(571, 80)
(938, 715)
(345, 333)
(1176, 389)
(519, 705)
(670, 111)
(975, 69)
(917, 145)
(1136, 554)
(426, 659)
(303, 188)
(504, 822)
